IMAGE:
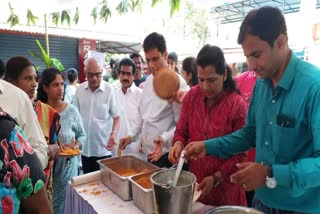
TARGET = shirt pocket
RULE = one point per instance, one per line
(284, 149)
(102, 112)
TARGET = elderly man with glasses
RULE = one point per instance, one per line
(96, 102)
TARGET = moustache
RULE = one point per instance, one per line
(125, 81)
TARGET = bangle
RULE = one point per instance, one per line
(113, 132)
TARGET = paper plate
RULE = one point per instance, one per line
(166, 83)
(196, 193)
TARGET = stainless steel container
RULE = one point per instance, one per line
(142, 197)
(121, 184)
(234, 210)
(173, 200)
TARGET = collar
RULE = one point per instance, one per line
(86, 86)
(288, 75)
(1, 87)
(132, 88)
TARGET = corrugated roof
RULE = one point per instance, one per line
(67, 32)
(107, 42)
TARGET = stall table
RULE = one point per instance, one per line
(86, 194)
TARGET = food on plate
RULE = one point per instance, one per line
(70, 152)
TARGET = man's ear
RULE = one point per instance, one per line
(282, 40)
(165, 55)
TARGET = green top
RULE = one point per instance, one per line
(284, 125)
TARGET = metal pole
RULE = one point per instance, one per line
(46, 34)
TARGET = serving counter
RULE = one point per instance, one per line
(86, 194)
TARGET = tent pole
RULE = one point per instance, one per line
(46, 34)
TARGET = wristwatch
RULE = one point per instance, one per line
(271, 182)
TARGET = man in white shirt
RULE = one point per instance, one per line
(96, 102)
(158, 116)
(16, 102)
(129, 96)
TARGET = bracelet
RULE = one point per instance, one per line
(115, 132)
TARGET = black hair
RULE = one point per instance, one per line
(155, 40)
(173, 56)
(135, 55)
(48, 75)
(15, 66)
(72, 74)
(112, 62)
(189, 65)
(266, 22)
(2, 68)
(114, 72)
(130, 62)
(213, 55)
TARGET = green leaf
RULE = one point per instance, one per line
(56, 63)
(175, 5)
(55, 18)
(155, 2)
(13, 18)
(94, 14)
(36, 55)
(137, 4)
(65, 16)
(105, 12)
(123, 7)
(31, 17)
(46, 58)
(76, 16)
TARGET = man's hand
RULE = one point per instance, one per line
(250, 176)
(53, 151)
(206, 186)
(195, 150)
(124, 142)
(157, 150)
(175, 152)
(111, 142)
(178, 96)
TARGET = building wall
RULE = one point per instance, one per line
(64, 49)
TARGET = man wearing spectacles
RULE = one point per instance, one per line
(98, 107)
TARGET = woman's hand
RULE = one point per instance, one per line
(175, 152)
(53, 151)
(206, 186)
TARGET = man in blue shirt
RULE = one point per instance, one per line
(283, 122)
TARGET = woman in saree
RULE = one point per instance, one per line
(21, 72)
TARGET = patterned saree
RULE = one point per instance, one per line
(49, 122)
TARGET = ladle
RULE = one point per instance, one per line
(178, 170)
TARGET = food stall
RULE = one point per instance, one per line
(106, 191)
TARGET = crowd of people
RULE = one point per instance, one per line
(251, 140)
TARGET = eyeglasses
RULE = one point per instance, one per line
(125, 73)
(90, 75)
